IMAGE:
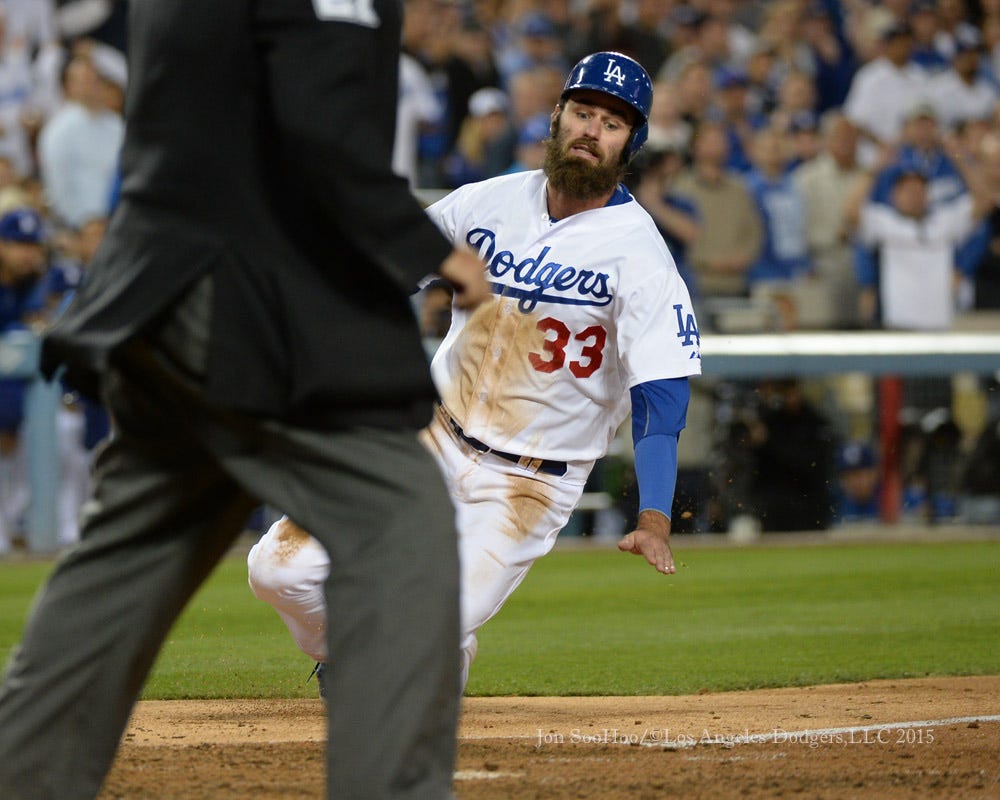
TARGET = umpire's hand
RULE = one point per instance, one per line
(466, 273)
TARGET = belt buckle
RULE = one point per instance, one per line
(534, 464)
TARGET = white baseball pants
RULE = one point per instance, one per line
(507, 516)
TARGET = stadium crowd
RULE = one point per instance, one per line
(812, 164)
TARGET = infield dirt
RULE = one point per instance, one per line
(878, 739)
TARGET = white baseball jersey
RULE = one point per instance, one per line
(586, 308)
(917, 261)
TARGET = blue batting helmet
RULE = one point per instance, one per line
(622, 77)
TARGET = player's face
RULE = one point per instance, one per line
(584, 156)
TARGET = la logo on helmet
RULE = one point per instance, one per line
(614, 73)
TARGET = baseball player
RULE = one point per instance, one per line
(589, 320)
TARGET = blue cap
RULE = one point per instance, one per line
(619, 76)
(22, 225)
(855, 455)
(535, 130)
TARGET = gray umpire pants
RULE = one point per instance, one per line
(174, 486)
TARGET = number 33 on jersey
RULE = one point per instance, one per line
(585, 308)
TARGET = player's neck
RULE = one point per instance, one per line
(562, 205)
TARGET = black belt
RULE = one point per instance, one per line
(557, 468)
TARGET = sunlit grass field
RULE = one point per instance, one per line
(600, 622)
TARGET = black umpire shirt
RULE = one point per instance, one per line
(257, 149)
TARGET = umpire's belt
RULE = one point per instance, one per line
(557, 468)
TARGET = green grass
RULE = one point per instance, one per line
(600, 622)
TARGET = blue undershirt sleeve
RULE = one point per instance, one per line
(659, 412)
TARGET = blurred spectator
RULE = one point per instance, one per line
(667, 128)
(796, 98)
(8, 176)
(693, 92)
(712, 45)
(954, 26)
(983, 251)
(417, 106)
(792, 446)
(484, 127)
(858, 487)
(834, 61)
(642, 30)
(741, 38)
(22, 267)
(802, 141)
(30, 21)
(602, 25)
(112, 71)
(826, 185)
(922, 150)
(81, 423)
(913, 285)
(427, 35)
(685, 24)
(653, 174)
(779, 30)
(924, 23)
(532, 92)
(79, 148)
(530, 152)
(469, 66)
(16, 91)
(783, 258)
(731, 233)
(882, 93)
(961, 93)
(645, 37)
(733, 111)
(870, 20)
(989, 63)
(979, 501)
(103, 20)
(764, 77)
(538, 44)
(22, 307)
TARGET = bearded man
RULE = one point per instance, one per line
(590, 320)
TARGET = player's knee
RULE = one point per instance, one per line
(287, 567)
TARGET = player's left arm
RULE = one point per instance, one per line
(659, 412)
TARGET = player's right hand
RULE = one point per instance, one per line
(467, 275)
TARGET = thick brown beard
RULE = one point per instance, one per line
(574, 176)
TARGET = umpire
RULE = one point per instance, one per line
(247, 323)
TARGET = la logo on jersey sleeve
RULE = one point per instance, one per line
(687, 330)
